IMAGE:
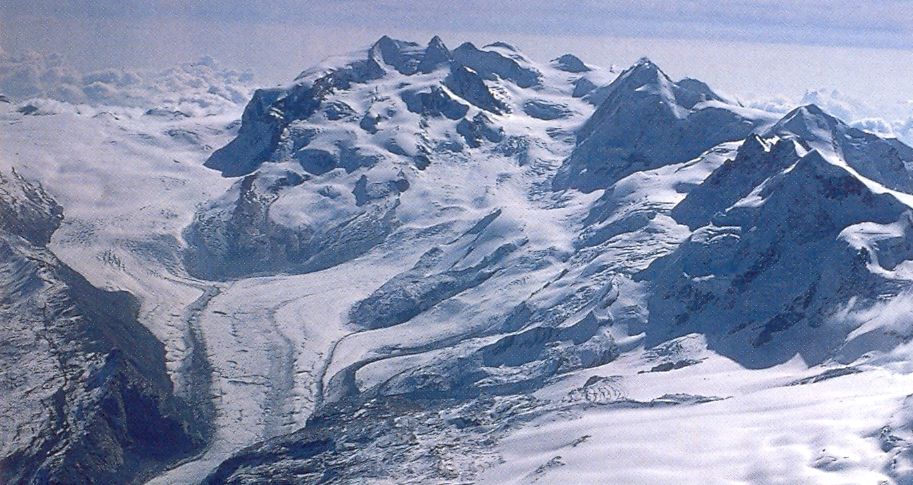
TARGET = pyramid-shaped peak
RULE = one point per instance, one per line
(436, 48)
(687, 92)
(646, 121)
(809, 122)
(436, 42)
(810, 111)
(871, 156)
(644, 71)
(645, 63)
(436, 55)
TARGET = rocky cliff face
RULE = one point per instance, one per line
(444, 266)
(86, 398)
(545, 241)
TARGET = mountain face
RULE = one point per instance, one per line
(774, 269)
(887, 162)
(356, 138)
(687, 118)
(756, 160)
(86, 395)
(422, 264)
(765, 237)
(273, 125)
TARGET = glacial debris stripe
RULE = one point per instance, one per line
(607, 215)
(425, 264)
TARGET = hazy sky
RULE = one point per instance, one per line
(746, 48)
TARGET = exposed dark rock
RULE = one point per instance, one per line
(570, 63)
(87, 395)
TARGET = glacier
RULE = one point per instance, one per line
(420, 264)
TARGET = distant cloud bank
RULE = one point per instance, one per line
(202, 86)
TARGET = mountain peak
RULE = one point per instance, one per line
(570, 63)
(501, 45)
(387, 43)
(383, 40)
(467, 46)
(436, 54)
(756, 160)
(436, 42)
(647, 121)
(642, 68)
(728, 277)
(402, 55)
(645, 62)
(873, 157)
(808, 121)
(812, 109)
(491, 63)
(819, 195)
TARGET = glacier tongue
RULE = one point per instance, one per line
(669, 231)
(418, 264)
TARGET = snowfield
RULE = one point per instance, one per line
(420, 264)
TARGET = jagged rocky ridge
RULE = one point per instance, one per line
(767, 278)
(765, 236)
(86, 398)
(346, 139)
(405, 276)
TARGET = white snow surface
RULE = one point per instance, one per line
(616, 405)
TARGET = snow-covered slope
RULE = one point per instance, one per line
(420, 264)
(647, 121)
(86, 396)
(772, 275)
(531, 296)
(365, 143)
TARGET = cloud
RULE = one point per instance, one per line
(201, 87)
(838, 104)
(891, 122)
(777, 104)
(896, 122)
(878, 126)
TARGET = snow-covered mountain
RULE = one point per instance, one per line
(355, 142)
(86, 394)
(422, 264)
(686, 118)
